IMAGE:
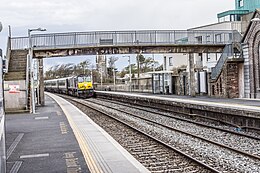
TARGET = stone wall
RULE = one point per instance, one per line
(251, 42)
(227, 84)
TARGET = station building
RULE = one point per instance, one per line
(239, 76)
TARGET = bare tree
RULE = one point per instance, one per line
(111, 61)
(84, 65)
(111, 65)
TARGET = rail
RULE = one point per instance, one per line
(227, 52)
(174, 148)
(126, 38)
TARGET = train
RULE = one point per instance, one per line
(78, 86)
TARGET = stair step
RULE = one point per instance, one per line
(18, 61)
(18, 70)
(15, 76)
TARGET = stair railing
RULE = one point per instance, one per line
(8, 54)
(227, 52)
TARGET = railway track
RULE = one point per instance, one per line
(178, 116)
(202, 150)
(252, 149)
(153, 153)
(201, 118)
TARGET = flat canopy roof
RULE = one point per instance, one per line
(160, 72)
(232, 12)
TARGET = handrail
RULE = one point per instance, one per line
(127, 38)
(8, 54)
(227, 52)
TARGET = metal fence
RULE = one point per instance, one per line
(126, 38)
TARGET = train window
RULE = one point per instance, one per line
(80, 79)
(62, 83)
(88, 79)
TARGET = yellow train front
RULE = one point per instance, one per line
(80, 86)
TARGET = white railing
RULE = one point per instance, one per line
(126, 38)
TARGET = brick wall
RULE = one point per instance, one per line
(227, 84)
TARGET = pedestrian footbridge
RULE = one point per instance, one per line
(126, 42)
(98, 43)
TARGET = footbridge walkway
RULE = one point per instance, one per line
(20, 67)
(122, 42)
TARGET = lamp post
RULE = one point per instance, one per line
(130, 72)
(31, 67)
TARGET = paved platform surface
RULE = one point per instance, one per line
(42, 142)
(61, 138)
(241, 104)
(102, 153)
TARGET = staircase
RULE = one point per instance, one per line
(230, 50)
(17, 66)
(16, 75)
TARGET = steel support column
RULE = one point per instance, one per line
(41, 82)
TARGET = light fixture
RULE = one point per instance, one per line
(255, 19)
(1, 26)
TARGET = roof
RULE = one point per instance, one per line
(232, 12)
(257, 11)
(160, 72)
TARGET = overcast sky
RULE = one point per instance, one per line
(92, 15)
(96, 15)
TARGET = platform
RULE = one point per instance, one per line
(102, 153)
(42, 142)
(60, 138)
(238, 104)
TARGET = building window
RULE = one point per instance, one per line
(170, 61)
(241, 3)
(164, 63)
(199, 39)
(218, 38)
(208, 39)
(200, 55)
(208, 57)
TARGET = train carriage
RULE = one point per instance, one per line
(51, 85)
(79, 86)
(62, 86)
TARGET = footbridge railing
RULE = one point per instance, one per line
(126, 38)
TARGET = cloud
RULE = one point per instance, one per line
(111, 14)
(96, 15)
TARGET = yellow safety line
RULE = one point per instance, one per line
(92, 165)
(83, 145)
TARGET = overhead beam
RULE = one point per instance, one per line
(60, 52)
